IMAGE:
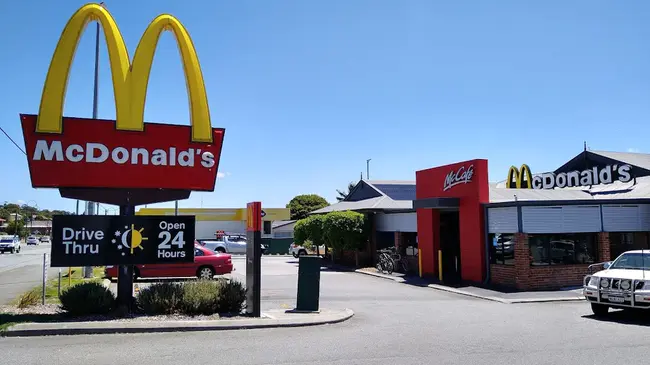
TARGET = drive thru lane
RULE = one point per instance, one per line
(22, 271)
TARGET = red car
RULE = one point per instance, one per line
(206, 265)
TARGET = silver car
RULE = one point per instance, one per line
(227, 244)
(32, 240)
(9, 244)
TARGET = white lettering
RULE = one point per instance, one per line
(90, 155)
(170, 226)
(93, 152)
(43, 151)
(120, 155)
(74, 153)
(593, 176)
(162, 254)
(461, 176)
(207, 160)
(624, 173)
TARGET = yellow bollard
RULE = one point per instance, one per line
(440, 265)
(420, 261)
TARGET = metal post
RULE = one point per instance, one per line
(59, 288)
(125, 272)
(44, 276)
(176, 207)
(91, 207)
(368, 169)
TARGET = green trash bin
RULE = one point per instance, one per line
(308, 283)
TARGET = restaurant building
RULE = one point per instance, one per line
(531, 231)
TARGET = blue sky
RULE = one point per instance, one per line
(308, 90)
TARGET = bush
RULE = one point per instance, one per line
(200, 297)
(231, 297)
(29, 299)
(90, 298)
(161, 298)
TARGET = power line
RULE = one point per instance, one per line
(12, 141)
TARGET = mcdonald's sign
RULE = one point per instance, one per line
(520, 178)
(254, 217)
(126, 152)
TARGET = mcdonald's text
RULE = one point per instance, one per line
(92, 153)
(594, 176)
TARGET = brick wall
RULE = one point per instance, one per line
(523, 276)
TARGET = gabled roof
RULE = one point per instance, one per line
(387, 190)
(641, 160)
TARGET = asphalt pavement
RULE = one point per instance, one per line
(22, 271)
(394, 323)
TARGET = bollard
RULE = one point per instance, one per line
(44, 277)
(59, 287)
(308, 284)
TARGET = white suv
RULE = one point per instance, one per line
(9, 244)
(624, 283)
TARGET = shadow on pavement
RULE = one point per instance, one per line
(636, 317)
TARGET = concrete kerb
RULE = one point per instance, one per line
(473, 295)
(270, 320)
(379, 275)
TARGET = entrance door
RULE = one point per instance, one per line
(450, 246)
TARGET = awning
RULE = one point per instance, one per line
(434, 203)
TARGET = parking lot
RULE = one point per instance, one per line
(21, 271)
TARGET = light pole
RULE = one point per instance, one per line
(368, 169)
(31, 216)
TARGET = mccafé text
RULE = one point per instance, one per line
(99, 153)
(461, 176)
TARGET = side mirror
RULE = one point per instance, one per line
(607, 265)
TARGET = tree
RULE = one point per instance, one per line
(301, 205)
(343, 195)
(345, 231)
(16, 228)
(308, 232)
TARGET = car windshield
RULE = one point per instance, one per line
(6, 240)
(634, 261)
(237, 239)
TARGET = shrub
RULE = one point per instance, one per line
(29, 299)
(161, 298)
(200, 297)
(90, 298)
(231, 297)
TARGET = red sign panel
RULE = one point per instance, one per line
(254, 216)
(92, 153)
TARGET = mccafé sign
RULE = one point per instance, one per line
(125, 153)
(523, 179)
(461, 176)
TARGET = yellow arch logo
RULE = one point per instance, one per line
(130, 79)
(516, 177)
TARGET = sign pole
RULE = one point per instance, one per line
(253, 259)
(125, 272)
(44, 276)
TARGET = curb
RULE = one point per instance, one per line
(503, 300)
(91, 328)
(383, 276)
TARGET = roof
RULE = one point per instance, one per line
(394, 195)
(641, 160)
(278, 224)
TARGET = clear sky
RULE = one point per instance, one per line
(308, 90)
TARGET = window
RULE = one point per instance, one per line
(502, 248)
(563, 249)
(267, 227)
(281, 234)
(197, 252)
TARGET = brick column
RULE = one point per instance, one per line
(522, 261)
(398, 241)
(603, 247)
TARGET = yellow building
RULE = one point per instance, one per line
(209, 220)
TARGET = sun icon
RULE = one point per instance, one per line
(136, 238)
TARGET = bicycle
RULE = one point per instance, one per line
(399, 260)
(385, 262)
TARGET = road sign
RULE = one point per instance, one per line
(121, 240)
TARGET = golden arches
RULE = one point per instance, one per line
(516, 177)
(130, 80)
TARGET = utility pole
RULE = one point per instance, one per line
(91, 206)
(368, 169)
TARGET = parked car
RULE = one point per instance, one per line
(297, 250)
(9, 244)
(32, 240)
(206, 265)
(45, 239)
(230, 244)
(624, 283)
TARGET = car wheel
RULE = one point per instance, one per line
(13, 250)
(302, 253)
(205, 272)
(220, 250)
(599, 309)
